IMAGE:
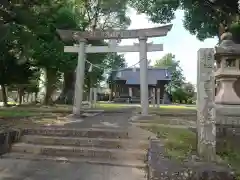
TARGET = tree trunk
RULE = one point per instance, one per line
(20, 95)
(51, 78)
(35, 97)
(67, 94)
(28, 95)
(111, 92)
(4, 95)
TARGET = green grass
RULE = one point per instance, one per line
(231, 156)
(179, 143)
(36, 116)
(177, 107)
(38, 108)
(173, 109)
(110, 106)
(15, 113)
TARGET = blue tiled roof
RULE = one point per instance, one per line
(154, 75)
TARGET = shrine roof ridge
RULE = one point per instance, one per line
(114, 34)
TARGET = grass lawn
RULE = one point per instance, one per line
(232, 157)
(111, 106)
(180, 107)
(173, 109)
(43, 109)
(14, 113)
(23, 116)
(179, 143)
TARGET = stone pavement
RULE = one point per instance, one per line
(104, 147)
(11, 169)
(109, 119)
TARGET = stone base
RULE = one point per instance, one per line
(226, 94)
(7, 138)
(227, 128)
(77, 151)
(225, 98)
(83, 132)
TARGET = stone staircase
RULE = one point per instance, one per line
(102, 146)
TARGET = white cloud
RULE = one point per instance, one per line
(178, 41)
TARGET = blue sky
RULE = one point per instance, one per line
(178, 41)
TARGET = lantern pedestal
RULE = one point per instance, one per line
(227, 94)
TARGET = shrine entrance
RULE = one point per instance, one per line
(142, 47)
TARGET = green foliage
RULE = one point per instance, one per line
(184, 94)
(105, 13)
(180, 91)
(202, 18)
(29, 41)
(115, 62)
(235, 30)
(179, 143)
(177, 78)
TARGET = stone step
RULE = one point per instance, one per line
(98, 161)
(71, 151)
(85, 142)
(83, 132)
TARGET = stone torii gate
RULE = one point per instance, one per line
(111, 48)
(142, 48)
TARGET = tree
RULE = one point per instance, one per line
(13, 51)
(48, 48)
(190, 92)
(115, 62)
(177, 78)
(184, 94)
(28, 35)
(180, 91)
(13, 73)
(33, 38)
(203, 18)
(101, 14)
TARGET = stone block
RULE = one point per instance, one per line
(82, 141)
(7, 138)
(70, 151)
(227, 128)
(83, 132)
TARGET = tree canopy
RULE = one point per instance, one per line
(203, 18)
(29, 41)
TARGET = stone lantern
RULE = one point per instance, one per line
(227, 58)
